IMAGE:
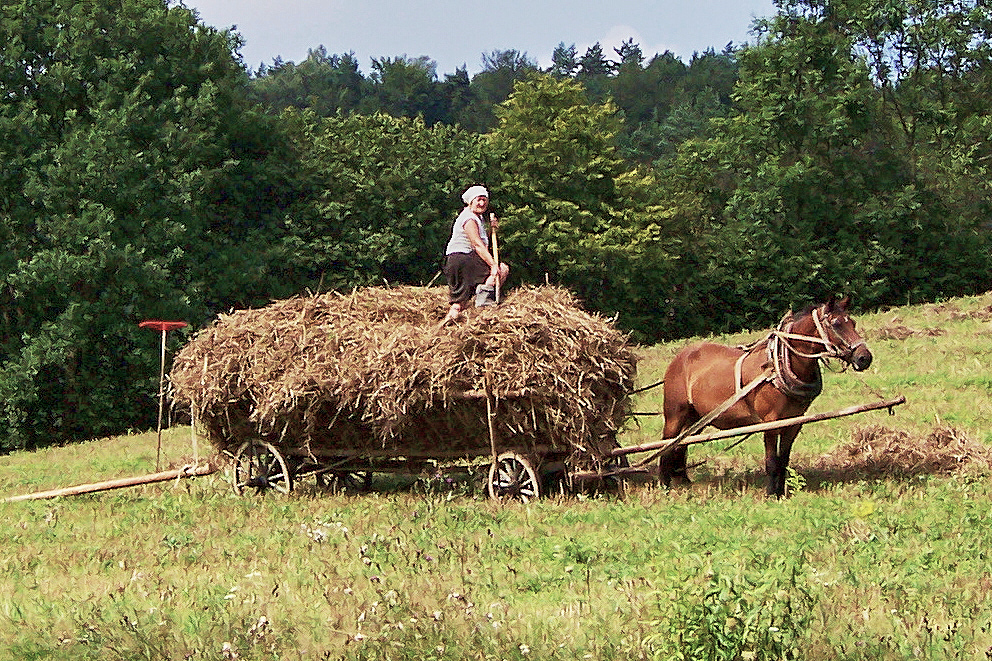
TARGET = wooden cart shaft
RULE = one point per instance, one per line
(669, 444)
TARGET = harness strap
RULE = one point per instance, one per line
(712, 415)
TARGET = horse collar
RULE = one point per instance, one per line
(784, 378)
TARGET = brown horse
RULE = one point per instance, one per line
(776, 378)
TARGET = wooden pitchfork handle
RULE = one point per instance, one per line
(496, 259)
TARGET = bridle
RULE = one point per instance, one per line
(780, 348)
(838, 348)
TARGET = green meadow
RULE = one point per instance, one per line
(854, 564)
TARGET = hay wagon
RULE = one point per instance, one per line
(518, 466)
(337, 387)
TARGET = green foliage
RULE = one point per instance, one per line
(406, 87)
(575, 213)
(813, 194)
(382, 194)
(325, 84)
(121, 132)
(760, 612)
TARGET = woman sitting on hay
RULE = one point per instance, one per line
(470, 268)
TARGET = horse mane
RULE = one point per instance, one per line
(792, 317)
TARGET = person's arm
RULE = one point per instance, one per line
(472, 232)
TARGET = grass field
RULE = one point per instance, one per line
(855, 564)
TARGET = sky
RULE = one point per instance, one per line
(456, 33)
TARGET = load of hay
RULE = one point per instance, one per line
(374, 371)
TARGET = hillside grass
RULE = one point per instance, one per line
(851, 566)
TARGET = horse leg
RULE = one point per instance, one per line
(672, 464)
(778, 448)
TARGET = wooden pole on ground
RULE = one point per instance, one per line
(186, 471)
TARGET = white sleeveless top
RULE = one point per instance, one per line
(459, 239)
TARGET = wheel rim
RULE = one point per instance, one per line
(259, 466)
(511, 477)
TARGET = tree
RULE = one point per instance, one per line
(594, 72)
(493, 85)
(564, 63)
(406, 87)
(574, 213)
(382, 193)
(327, 84)
(630, 54)
(931, 62)
(462, 102)
(822, 199)
(122, 128)
(594, 63)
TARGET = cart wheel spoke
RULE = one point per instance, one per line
(259, 466)
(512, 477)
(346, 481)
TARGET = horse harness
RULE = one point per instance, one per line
(777, 370)
(778, 349)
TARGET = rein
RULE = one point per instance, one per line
(831, 350)
(779, 348)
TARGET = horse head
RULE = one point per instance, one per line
(840, 332)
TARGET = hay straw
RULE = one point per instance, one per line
(374, 372)
(878, 450)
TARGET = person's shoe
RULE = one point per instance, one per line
(485, 295)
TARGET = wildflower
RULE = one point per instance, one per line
(259, 628)
(524, 650)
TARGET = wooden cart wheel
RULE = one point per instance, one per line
(511, 476)
(258, 465)
(349, 481)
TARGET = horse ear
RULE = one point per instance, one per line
(834, 304)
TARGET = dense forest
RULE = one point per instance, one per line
(148, 173)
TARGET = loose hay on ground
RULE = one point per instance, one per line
(878, 450)
(373, 371)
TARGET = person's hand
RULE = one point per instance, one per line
(494, 221)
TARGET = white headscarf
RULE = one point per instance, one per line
(474, 192)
